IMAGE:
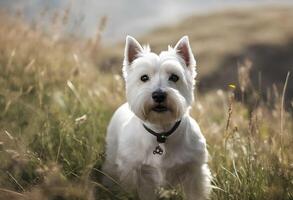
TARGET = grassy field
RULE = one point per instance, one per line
(56, 99)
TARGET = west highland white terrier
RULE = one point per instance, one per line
(151, 140)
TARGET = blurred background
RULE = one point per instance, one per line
(123, 17)
(60, 82)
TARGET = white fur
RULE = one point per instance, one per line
(129, 157)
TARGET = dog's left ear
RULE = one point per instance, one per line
(184, 51)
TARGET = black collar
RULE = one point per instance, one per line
(162, 137)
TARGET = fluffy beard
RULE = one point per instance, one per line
(142, 105)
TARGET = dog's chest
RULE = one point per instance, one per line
(155, 159)
(176, 151)
(172, 155)
(168, 166)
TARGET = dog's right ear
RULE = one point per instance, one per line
(132, 50)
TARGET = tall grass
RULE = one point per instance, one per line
(55, 106)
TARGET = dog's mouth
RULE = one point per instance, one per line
(160, 108)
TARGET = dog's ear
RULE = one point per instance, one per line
(184, 51)
(132, 50)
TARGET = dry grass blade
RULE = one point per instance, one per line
(9, 135)
(17, 194)
(14, 179)
(230, 110)
(108, 176)
(282, 114)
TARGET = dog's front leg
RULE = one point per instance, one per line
(148, 181)
(196, 184)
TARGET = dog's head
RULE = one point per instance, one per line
(159, 88)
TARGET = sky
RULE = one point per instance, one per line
(123, 17)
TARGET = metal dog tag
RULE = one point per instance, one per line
(158, 150)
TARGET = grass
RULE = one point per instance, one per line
(55, 106)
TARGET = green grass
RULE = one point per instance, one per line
(56, 103)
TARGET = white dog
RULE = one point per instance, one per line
(152, 141)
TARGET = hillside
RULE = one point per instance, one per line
(224, 40)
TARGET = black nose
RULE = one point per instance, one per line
(159, 96)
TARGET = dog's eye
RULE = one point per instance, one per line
(173, 78)
(144, 78)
